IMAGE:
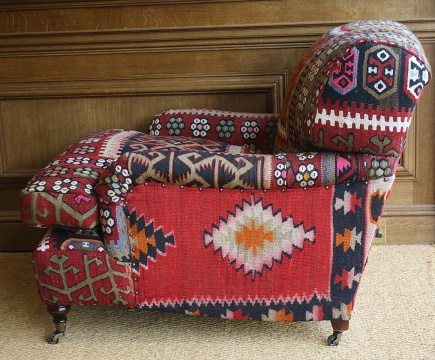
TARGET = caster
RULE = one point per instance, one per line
(334, 339)
(59, 318)
(53, 339)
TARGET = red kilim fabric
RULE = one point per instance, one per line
(209, 214)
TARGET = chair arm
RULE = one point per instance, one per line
(200, 169)
(239, 171)
(236, 128)
(62, 193)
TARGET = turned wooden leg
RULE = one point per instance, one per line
(59, 313)
(338, 326)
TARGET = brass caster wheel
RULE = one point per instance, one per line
(53, 339)
(334, 339)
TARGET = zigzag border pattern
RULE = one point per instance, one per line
(368, 118)
(210, 112)
(113, 145)
(278, 311)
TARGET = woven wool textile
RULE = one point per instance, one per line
(254, 253)
(237, 215)
(73, 267)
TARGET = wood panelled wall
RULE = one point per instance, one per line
(68, 68)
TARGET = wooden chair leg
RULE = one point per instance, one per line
(59, 313)
(338, 326)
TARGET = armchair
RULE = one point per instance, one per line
(236, 215)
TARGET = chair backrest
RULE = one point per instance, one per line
(355, 91)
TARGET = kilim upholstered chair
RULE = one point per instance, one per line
(236, 215)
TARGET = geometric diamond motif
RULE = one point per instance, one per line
(146, 241)
(349, 239)
(254, 236)
(347, 278)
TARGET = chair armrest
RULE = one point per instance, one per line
(239, 171)
(236, 128)
(62, 193)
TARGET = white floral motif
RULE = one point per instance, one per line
(281, 156)
(89, 141)
(305, 156)
(281, 174)
(64, 186)
(119, 183)
(78, 160)
(307, 175)
(37, 186)
(103, 163)
(200, 127)
(250, 129)
(155, 127)
(107, 221)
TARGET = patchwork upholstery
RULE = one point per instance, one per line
(242, 171)
(237, 215)
(255, 240)
(298, 172)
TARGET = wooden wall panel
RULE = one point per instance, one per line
(68, 68)
(40, 16)
(60, 121)
(63, 121)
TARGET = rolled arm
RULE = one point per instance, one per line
(239, 171)
(62, 193)
(254, 130)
